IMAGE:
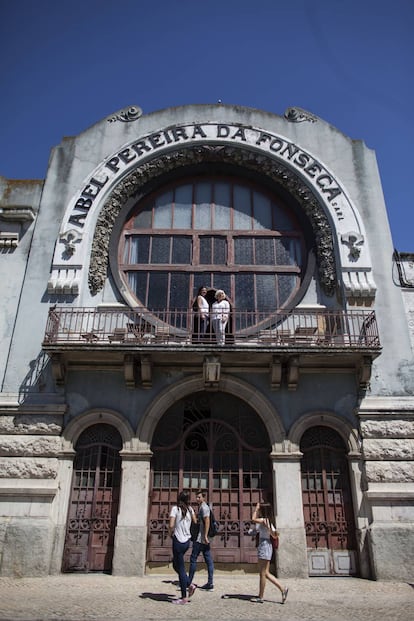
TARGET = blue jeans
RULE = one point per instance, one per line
(179, 549)
(205, 549)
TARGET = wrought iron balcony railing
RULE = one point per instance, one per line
(144, 327)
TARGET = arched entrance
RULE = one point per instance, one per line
(216, 442)
(327, 503)
(93, 506)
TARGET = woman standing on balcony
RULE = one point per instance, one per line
(201, 308)
(220, 316)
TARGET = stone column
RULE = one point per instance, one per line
(361, 514)
(291, 556)
(60, 509)
(387, 430)
(131, 531)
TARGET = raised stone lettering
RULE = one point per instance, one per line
(78, 220)
(113, 164)
(291, 149)
(155, 140)
(276, 144)
(99, 184)
(198, 131)
(302, 159)
(140, 147)
(239, 134)
(332, 193)
(312, 169)
(269, 142)
(223, 131)
(321, 178)
(90, 191)
(263, 137)
(82, 204)
(179, 132)
(126, 156)
(167, 137)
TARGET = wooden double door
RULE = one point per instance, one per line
(93, 506)
(215, 442)
(327, 504)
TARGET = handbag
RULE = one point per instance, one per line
(275, 541)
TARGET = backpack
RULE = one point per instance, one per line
(214, 525)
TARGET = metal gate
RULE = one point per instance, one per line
(327, 504)
(228, 457)
(93, 506)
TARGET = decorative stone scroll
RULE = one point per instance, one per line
(126, 115)
(298, 115)
(243, 158)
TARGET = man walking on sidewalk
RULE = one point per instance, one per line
(202, 544)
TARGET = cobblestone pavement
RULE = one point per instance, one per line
(98, 597)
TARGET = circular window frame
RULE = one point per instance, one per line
(244, 163)
(229, 267)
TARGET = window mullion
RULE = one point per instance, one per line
(195, 255)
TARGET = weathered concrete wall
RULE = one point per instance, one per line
(19, 206)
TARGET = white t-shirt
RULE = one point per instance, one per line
(221, 310)
(203, 512)
(182, 524)
(203, 307)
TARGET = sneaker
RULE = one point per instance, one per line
(257, 600)
(284, 595)
(179, 601)
(208, 587)
(191, 590)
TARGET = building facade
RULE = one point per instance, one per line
(112, 398)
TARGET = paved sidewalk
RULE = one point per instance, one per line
(97, 597)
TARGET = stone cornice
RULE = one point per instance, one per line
(392, 405)
(297, 456)
(17, 213)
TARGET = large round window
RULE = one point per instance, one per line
(222, 233)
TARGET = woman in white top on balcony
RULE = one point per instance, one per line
(201, 307)
(220, 316)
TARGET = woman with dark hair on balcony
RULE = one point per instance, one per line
(201, 310)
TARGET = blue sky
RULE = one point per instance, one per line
(67, 64)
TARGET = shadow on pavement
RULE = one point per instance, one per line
(157, 597)
(241, 596)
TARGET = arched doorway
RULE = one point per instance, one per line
(217, 442)
(93, 505)
(327, 503)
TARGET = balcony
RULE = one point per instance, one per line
(305, 339)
